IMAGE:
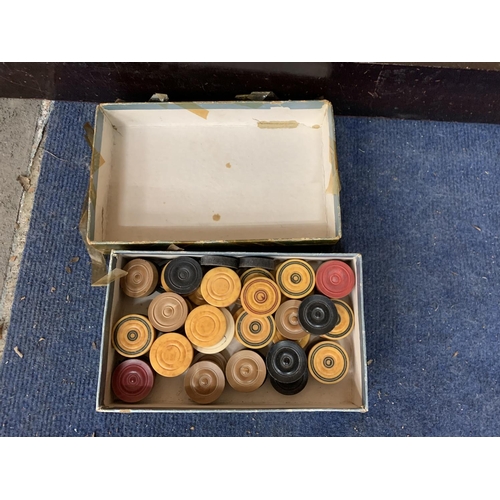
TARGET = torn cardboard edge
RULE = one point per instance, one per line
(334, 181)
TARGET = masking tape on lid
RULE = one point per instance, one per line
(99, 271)
(334, 182)
(99, 276)
(194, 108)
(97, 160)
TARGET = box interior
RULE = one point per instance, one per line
(168, 393)
(206, 172)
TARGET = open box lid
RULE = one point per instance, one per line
(213, 172)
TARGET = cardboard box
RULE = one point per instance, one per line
(207, 175)
(213, 173)
(350, 394)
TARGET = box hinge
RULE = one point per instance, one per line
(258, 96)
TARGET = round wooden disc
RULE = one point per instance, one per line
(141, 280)
(220, 287)
(219, 261)
(197, 298)
(168, 312)
(162, 278)
(255, 332)
(226, 340)
(284, 298)
(295, 278)
(255, 272)
(287, 320)
(262, 262)
(246, 371)
(317, 314)
(171, 355)
(335, 279)
(204, 382)
(217, 358)
(286, 362)
(132, 380)
(345, 324)
(302, 342)
(328, 362)
(133, 335)
(293, 388)
(260, 297)
(277, 337)
(205, 326)
(183, 275)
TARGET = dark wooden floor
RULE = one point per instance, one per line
(438, 91)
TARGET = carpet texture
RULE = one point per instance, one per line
(420, 201)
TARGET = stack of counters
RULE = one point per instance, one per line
(292, 388)
(345, 323)
(255, 272)
(317, 315)
(287, 320)
(218, 358)
(328, 362)
(219, 261)
(132, 380)
(246, 371)
(204, 382)
(335, 279)
(263, 262)
(205, 326)
(302, 342)
(182, 275)
(220, 287)
(197, 298)
(295, 278)
(255, 332)
(133, 335)
(171, 355)
(168, 312)
(226, 339)
(260, 297)
(286, 362)
(141, 280)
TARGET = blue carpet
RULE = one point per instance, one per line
(420, 201)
